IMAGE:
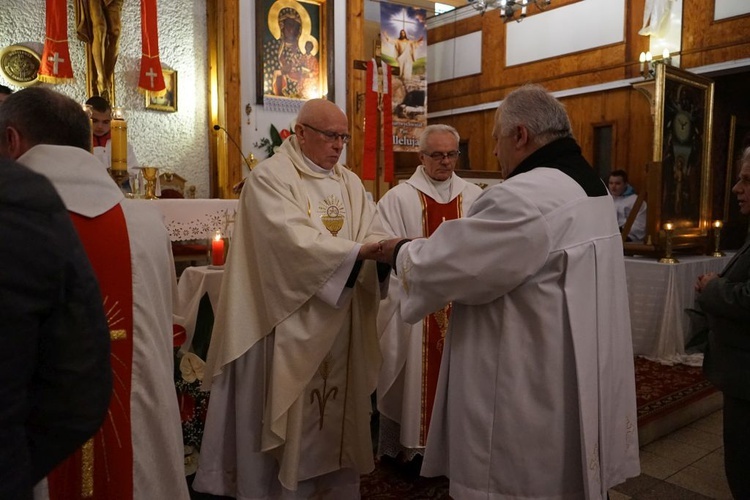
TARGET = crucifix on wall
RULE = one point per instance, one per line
(99, 24)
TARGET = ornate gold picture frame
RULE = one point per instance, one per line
(679, 179)
(168, 101)
(294, 49)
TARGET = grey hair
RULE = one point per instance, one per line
(536, 109)
(433, 129)
(745, 158)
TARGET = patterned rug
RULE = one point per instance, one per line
(661, 389)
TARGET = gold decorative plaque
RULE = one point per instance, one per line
(20, 65)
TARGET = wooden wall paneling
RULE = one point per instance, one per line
(707, 42)
(355, 87)
(224, 48)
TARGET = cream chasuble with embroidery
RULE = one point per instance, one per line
(294, 355)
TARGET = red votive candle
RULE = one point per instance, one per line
(217, 250)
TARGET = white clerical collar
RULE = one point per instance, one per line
(315, 168)
(443, 188)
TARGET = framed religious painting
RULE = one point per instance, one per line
(679, 177)
(167, 101)
(294, 52)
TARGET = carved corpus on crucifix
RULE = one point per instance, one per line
(99, 24)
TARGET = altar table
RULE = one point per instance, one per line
(196, 219)
(658, 295)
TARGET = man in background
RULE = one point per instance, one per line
(536, 395)
(294, 356)
(624, 198)
(411, 353)
(101, 121)
(725, 300)
(138, 452)
(55, 376)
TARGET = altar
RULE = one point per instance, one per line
(197, 219)
(658, 295)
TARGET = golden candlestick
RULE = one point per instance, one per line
(668, 257)
(149, 175)
(717, 238)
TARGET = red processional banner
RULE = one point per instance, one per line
(151, 77)
(55, 66)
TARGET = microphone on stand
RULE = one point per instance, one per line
(247, 162)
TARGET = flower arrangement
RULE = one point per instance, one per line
(277, 137)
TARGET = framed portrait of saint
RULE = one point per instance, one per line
(168, 100)
(294, 52)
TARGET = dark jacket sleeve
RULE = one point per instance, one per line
(55, 375)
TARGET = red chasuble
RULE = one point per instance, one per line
(434, 325)
(103, 467)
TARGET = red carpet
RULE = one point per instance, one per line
(661, 389)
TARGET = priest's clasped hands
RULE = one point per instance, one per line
(382, 251)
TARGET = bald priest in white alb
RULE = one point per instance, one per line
(294, 356)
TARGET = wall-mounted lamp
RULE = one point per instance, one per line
(647, 62)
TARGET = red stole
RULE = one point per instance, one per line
(435, 325)
(103, 467)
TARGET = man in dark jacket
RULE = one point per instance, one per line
(725, 299)
(55, 375)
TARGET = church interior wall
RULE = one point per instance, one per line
(177, 141)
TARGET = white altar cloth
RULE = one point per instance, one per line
(195, 219)
(658, 295)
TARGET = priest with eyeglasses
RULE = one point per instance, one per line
(412, 353)
(294, 355)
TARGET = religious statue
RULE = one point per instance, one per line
(99, 23)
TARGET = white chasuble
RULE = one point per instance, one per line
(294, 355)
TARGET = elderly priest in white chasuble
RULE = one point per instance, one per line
(294, 356)
(536, 394)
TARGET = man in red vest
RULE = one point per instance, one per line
(138, 452)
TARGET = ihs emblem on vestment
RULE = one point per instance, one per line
(332, 213)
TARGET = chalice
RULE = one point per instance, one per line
(150, 174)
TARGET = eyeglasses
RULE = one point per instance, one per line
(438, 156)
(330, 136)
